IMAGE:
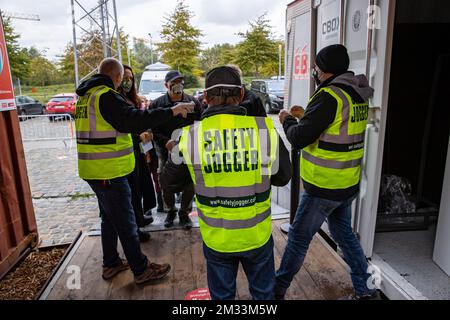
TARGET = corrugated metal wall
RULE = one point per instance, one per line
(18, 228)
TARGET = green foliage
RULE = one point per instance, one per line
(142, 56)
(219, 54)
(181, 41)
(19, 59)
(258, 47)
(44, 93)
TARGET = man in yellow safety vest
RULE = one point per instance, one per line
(104, 121)
(233, 160)
(331, 136)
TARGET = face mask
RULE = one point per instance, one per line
(315, 75)
(126, 85)
(177, 88)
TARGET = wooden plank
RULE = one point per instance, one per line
(330, 275)
(183, 280)
(326, 269)
(80, 259)
(302, 286)
(163, 289)
(295, 292)
(96, 288)
(200, 278)
(122, 285)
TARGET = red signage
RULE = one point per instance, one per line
(301, 67)
(199, 294)
(6, 88)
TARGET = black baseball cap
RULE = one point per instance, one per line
(173, 75)
(222, 77)
(333, 59)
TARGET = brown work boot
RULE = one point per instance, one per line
(109, 273)
(153, 271)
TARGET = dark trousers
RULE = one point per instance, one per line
(142, 190)
(118, 221)
(258, 265)
(311, 214)
(188, 192)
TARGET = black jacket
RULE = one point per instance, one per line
(163, 132)
(253, 104)
(121, 115)
(319, 115)
(176, 177)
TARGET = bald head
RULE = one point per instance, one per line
(112, 68)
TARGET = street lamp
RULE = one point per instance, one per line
(151, 44)
(280, 52)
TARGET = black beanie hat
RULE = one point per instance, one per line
(333, 59)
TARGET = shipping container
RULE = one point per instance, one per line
(402, 48)
(18, 230)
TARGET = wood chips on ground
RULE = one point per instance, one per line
(25, 282)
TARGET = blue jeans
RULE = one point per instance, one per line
(118, 221)
(311, 214)
(258, 265)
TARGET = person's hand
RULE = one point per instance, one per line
(146, 136)
(297, 111)
(170, 145)
(183, 109)
(283, 115)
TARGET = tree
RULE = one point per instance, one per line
(271, 68)
(18, 57)
(258, 47)
(219, 54)
(42, 71)
(142, 56)
(90, 54)
(181, 41)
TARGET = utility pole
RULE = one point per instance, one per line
(96, 23)
(129, 56)
(151, 45)
(280, 52)
(20, 86)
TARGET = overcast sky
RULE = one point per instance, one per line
(220, 20)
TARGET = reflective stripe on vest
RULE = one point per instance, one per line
(103, 152)
(234, 213)
(334, 160)
(234, 224)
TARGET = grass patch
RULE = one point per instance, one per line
(44, 93)
(78, 196)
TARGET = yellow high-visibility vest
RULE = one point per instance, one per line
(231, 159)
(334, 160)
(103, 152)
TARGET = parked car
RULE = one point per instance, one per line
(61, 104)
(198, 94)
(271, 93)
(27, 106)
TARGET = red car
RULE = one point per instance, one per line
(61, 104)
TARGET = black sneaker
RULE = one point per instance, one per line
(148, 220)
(143, 236)
(171, 215)
(186, 223)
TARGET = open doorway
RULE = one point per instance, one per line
(416, 143)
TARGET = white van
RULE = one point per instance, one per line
(152, 81)
(401, 46)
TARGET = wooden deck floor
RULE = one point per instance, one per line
(323, 275)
